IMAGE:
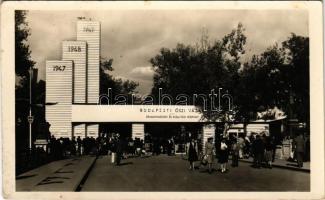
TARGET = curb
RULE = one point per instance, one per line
(282, 167)
(84, 178)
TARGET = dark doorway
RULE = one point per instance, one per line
(180, 133)
(124, 129)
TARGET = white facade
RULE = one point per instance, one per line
(78, 83)
(258, 128)
(138, 131)
(89, 31)
(77, 52)
(92, 130)
(59, 93)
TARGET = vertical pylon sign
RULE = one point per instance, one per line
(59, 94)
(76, 51)
(89, 31)
(74, 80)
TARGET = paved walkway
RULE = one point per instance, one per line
(171, 173)
(285, 164)
(62, 175)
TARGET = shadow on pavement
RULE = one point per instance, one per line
(52, 182)
(293, 165)
(126, 163)
(24, 177)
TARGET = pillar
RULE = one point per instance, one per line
(79, 130)
(207, 132)
(92, 130)
(138, 131)
(59, 97)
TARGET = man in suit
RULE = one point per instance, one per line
(258, 151)
(299, 149)
(119, 149)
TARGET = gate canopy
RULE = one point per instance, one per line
(135, 113)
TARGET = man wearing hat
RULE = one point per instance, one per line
(119, 149)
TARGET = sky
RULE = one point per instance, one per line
(132, 37)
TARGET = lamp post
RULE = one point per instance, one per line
(30, 117)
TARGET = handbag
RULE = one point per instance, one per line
(204, 160)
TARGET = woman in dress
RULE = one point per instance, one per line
(209, 153)
(223, 156)
(192, 153)
(268, 152)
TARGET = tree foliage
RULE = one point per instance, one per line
(279, 76)
(22, 59)
(199, 69)
(118, 86)
(23, 63)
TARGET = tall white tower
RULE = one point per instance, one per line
(74, 80)
(89, 31)
(59, 92)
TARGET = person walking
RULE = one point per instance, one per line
(113, 147)
(209, 153)
(274, 144)
(247, 147)
(73, 145)
(131, 147)
(119, 149)
(192, 153)
(241, 145)
(223, 156)
(258, 151)
(268, 152)
(52, 146)
(235, 149)
(299, 149)
(79, 142)
(169, 147)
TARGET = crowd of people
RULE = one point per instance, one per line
(66, 147)
(261, 148)
(59, 148)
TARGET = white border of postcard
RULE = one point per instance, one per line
(316, 95)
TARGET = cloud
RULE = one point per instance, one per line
(143, 73)
(123, 78)
(132, 37)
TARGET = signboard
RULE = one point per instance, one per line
(135, 113)
(30, 119)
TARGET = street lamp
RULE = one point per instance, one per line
(30, 117)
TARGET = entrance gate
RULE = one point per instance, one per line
(72, 93)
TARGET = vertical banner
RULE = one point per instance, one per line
(59, 97)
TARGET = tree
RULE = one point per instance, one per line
(200, 68)
(118, 86)
(23, 63)
(261, 82)
(22, 51)
(278, 77)
(298, 75)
